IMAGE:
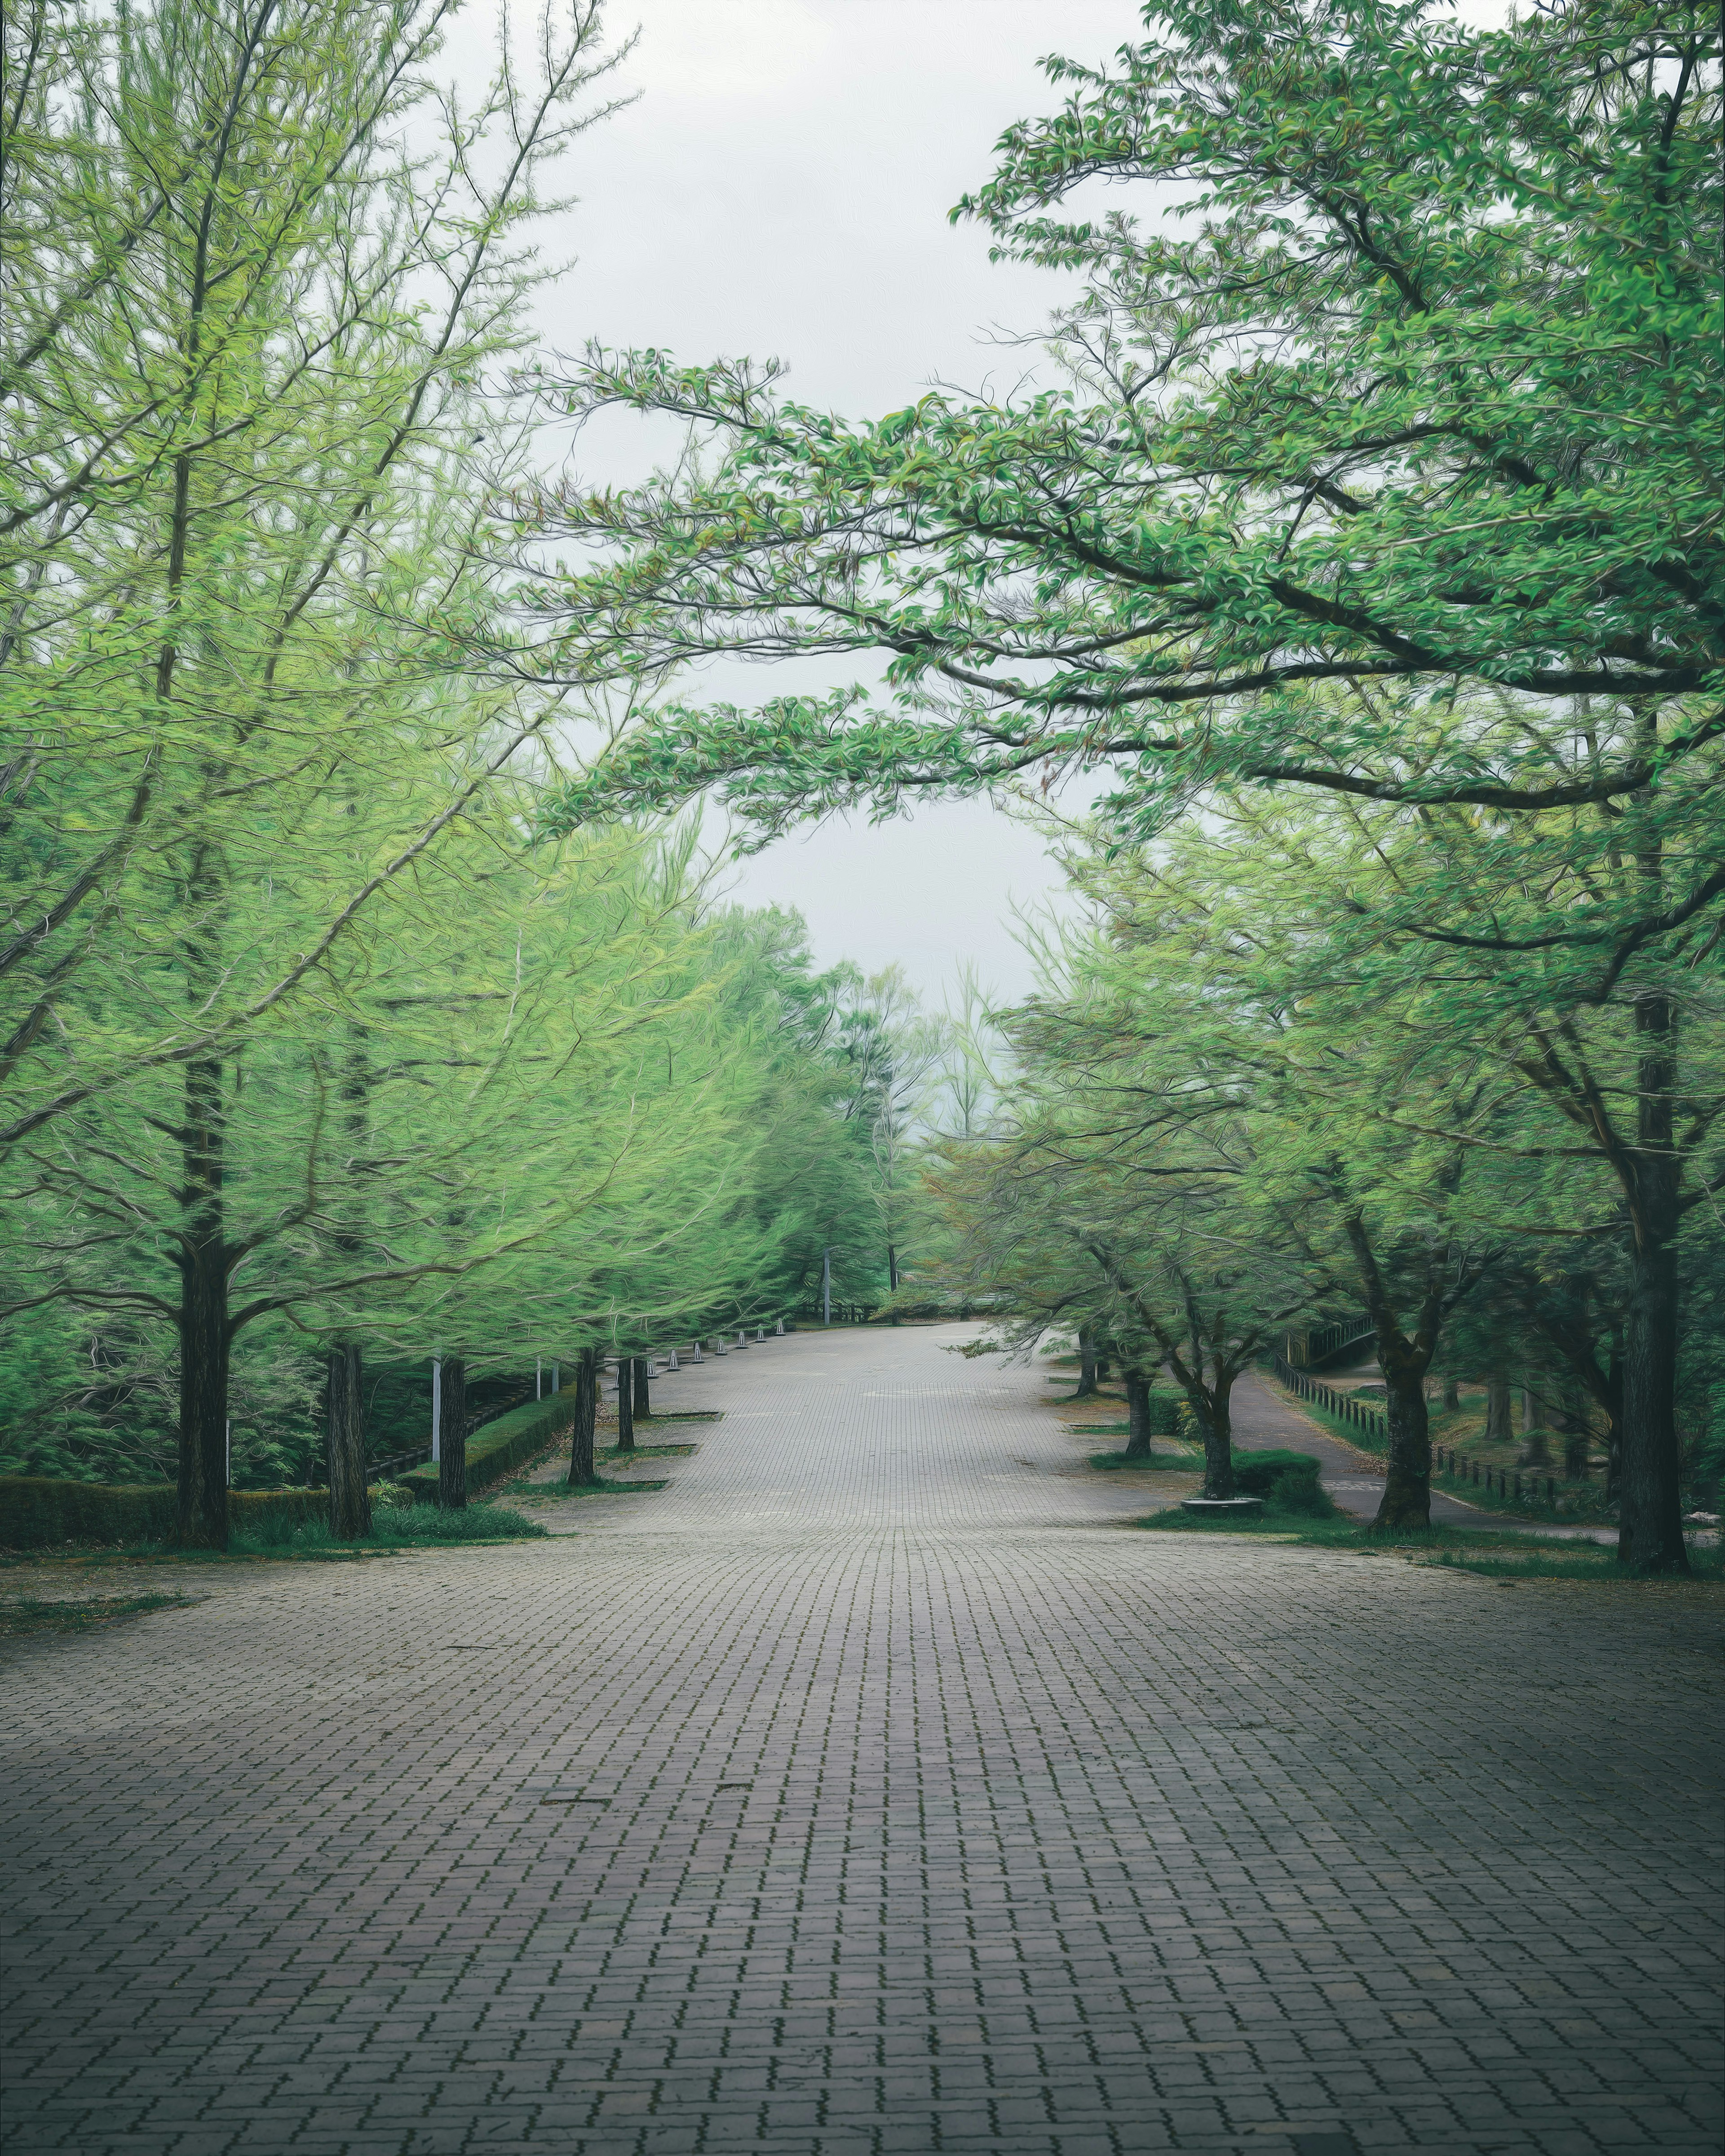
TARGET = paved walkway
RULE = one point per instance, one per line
(875, 1790)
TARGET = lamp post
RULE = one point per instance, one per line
(826, 1285)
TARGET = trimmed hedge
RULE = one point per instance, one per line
(497, 1449)
(1257, 1473)
(37, 1512)
(1163, 1409)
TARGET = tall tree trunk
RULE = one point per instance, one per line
(350, 1501)
(1407, 1490)
(643, 1373)
(1086, 1363)
(1497, 1409)
(1215, 1424)
(1452, 1395)
(202, 1518)
(1651, 1534)
(892, 1269)
(1137, 1416)
(582, 1473)
(452, 1463)
(625, 1406)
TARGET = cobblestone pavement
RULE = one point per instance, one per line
(875, 1789)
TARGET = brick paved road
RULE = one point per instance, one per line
(900, 1799)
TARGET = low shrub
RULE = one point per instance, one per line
(1257, 1473)
(1301, 1496)
(392, 1528)
(38, 1511)
(496, 1449)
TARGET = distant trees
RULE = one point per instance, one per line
(1386, 483)
(313, 1047)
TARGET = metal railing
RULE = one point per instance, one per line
(1305, 1351)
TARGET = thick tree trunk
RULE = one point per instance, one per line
(350, 1501)
(1652, 1535)
(1215, 1422)
(1497, 1409)
(1407, 1491)
(1452, 1395)
(201, 1520)
(1086, 1363)
(625, 1406)
(892, 1269)
(582, 1473)
(452, 1464)
(643, 1373)
(1137, 1416)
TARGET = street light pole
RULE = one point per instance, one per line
(826, 1285)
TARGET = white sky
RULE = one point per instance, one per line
(781, 189)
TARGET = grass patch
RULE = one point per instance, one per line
(1493, 1556)
(406, 1526)
(649, 1452)
(682, 1415)
(19, 1619)
(1107, 1462)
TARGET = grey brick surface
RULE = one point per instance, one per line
(1056, 1839)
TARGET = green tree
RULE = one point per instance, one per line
(247, 329)
(1390, 453)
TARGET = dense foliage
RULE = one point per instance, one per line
(310, 1050)
(1388, 472)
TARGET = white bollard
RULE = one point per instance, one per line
(778, 1330)
(760, 1332)
(719, 1343)
(697, 1351)
(671, 1363)
(742, 1338)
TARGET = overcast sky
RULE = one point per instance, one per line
(781, 188)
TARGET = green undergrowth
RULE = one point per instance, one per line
(415, 1527)
(19, 1619)
(1186, 1461)
(1494, 1556)
(560, 1492)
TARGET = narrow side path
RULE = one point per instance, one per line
(1355, 1479)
